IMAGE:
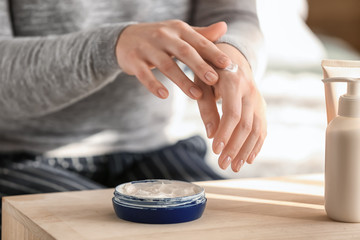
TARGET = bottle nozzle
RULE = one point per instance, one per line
(349, 103)
(353, 89)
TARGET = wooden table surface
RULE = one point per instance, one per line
(262, 208)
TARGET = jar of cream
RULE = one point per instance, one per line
(159, 201)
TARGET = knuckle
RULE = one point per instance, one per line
(142, 47)
(179, 24)
(256, 130)
(246, 125)
(160, 33)
(203, 43)
(132, 54)
(166, 65)
(235, 114)
(202, 68)
(142, 75)
(251, 90)
(184, 50)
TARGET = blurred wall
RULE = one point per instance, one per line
(340, 18)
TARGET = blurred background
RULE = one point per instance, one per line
(298, 35)
(336, 18)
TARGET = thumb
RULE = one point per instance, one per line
(212, 32)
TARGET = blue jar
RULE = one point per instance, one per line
(146, 203)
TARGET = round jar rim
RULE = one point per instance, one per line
(200, 192)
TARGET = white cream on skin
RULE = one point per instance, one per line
(233, 67)
(159, 189)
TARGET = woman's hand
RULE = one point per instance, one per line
(144, 46)
(240, 133)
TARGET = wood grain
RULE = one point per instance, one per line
(270, 208)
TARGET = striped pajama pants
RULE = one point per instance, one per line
(28, 174)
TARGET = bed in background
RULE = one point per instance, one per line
(293, 91)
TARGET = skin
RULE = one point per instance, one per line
(240, 132)
(144, 46)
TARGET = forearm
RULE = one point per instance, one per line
(243, 26)
(39, 75)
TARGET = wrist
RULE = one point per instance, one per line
(234, 54)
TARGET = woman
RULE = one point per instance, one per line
(81, 108)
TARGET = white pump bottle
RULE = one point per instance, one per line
(342, 154)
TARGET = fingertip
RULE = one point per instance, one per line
(238, 165)
(224, 62)
(234, 167)
(220, 164)
(162, 93)
(251, 159)
(221, 25)
(209, 129)
(211, 77)
(224, 162)
(218, 147)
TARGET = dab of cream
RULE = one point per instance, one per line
(159, 189)
(233, 67)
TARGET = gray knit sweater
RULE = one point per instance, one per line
(61, 90)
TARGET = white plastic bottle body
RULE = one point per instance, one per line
(342, 169)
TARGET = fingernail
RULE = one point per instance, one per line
(239, 165)
(225, 162)
(162, 93)
(224, 60)
(252, 157)
(211, 77)
(219, 147)
(195, 92)
(209, 128)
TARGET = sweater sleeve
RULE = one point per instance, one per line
(243, 26)
(40, 75)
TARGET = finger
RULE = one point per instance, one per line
(189, 56)
(170, 69)
(231, 117)
(212, 32)
(240, 160)
(147, 78)
(257, 147)
(261, 118)
(208, 109)
(207, 49)
(255, 151)
(248, 147)
(238, 137)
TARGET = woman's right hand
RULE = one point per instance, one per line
(144, 46)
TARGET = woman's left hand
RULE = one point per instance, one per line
(240, 133)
